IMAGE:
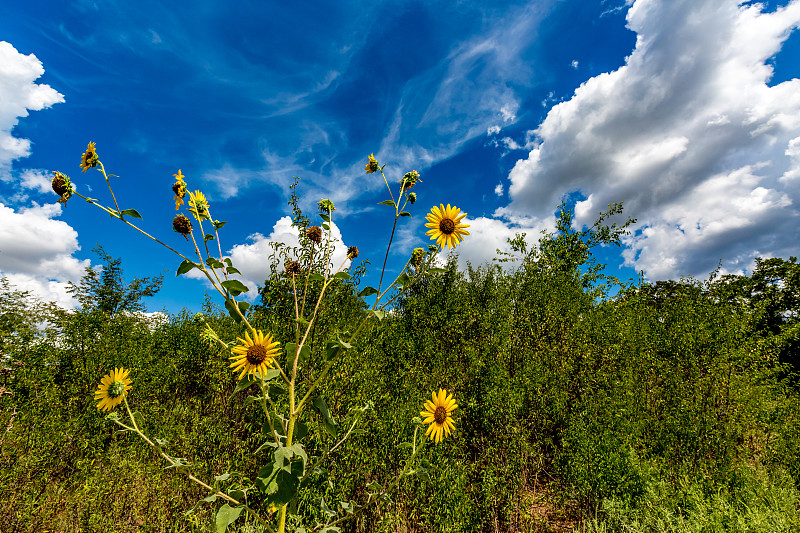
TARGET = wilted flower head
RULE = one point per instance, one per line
(410, 179)
(182, 225)
(179, 188)
(292, 268)
(62, 186)
(352, 252)
(314, 234)
(89, 158)
(198, 205)
(326, 206)
(372, 164)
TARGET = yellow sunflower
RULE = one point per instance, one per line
(89, 158)
(446, 226)
(254, 355)
(179, 188)
(198, 205)
(112, 389)
(372, 164)
(439, 414)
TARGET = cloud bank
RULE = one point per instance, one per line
(688, 133)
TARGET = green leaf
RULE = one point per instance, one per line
(437, 270)
(208, 237)
(331, 529)
(403, 279)
(326, 227)
(250, 399)
(226, 516)
(235, 287)
(316, 276)
(368, 291)
(405, 214)
(211, 498)
(300, 431)
(244, 383)
(348, 507)
(378, 313)
(324, 507)
(342, 275)
(302, 321)
(331, 348)
(321, 407)
(217, 224)
(386, 202)
(232, 270)
(186, 266)
(223, 477)
(272, 373)
(213, 262)
(243, 307)
(227, 261)
(325, 217)
(298, 450)
(131, 213)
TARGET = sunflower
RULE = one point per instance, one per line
(439, 414)
(446, 226)
(198, 205)
(372, 164)
(179, 188)
(89, 158)
(112, 389)
(254, 355)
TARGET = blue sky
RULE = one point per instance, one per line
(686, 111)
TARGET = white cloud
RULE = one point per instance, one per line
(18, 95)
(36, 252)
(498, 190)
(252, 259)
(687, 133)
(492, 130)
(487, 235)
(574, 64)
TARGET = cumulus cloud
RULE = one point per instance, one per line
(487, 235)
(688, 133)
(36, 252)
(253, 257)
(18, 95)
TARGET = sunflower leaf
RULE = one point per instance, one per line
(131, 213)
(325, 217)
(235, 287)
(403, 279)
(232, 270)
(368, 291)
(244, 383)
(321, 407)
(226, 516)
(217, 224)
(243, 307)
(186, 266)
(405, 214)
(324, 507)
(213, 262)
(386, 202)
(316, 276)
(326, 227)
(208, 237)
(342, 275)
(378, 313)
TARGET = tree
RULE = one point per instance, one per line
(106, 291)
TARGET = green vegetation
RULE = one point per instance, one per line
(584, 404)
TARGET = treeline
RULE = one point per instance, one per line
(584, 403)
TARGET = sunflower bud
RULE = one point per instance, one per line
(182, 225)
(314, 234)
(326, 206)
(417, 256)
(62, 186)
(412, 197)
(352, 252)
(372, 164)
(432, 248)
(292, 268)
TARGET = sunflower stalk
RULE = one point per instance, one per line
(258, 353)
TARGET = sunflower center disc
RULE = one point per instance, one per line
(115, 389)
(440, 415)
(447, 226)
(256, 354)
